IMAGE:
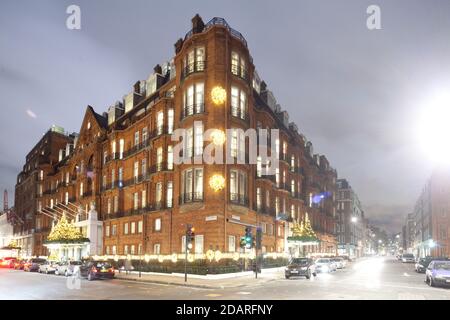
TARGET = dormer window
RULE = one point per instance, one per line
(89, 125)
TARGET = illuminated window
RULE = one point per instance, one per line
(169, 194)
(159, 123)
(170, 120)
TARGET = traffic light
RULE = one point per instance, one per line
(248, 238)
(258, 241)
(242, 243)
(190, 235)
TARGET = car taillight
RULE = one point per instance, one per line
(111, 270)
(94, 269)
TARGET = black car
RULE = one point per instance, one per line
(97, 270)
(422, 265)
(300, 267)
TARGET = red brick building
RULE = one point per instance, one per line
(123, 160)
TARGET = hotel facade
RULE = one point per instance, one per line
(125, 162)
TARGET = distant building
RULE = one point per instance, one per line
(432, 216)
(351, 230)
(6, 230)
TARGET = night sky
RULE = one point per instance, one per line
(355, 93)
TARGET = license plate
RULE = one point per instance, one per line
(294, 271)
(104, 271)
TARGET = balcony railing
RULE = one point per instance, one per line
(162, 166)
(239, 199)
(266, 177)
(113, 156)
(265, 210)
(157, 206)
(240, 72)
(160, 130)
(192, 109)
(191, 197)
(136, 148)
(240, 114)
(197, 66)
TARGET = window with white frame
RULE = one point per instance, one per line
(158, 193)
(144, 199)
(199, 244)
(135, 200)
(125, 228)
(170, 121)
(277, 205)
(158, 224)
(109, 206)
(157, 248)
(121, 148)
(183, 244)
(144, 134)
(159, 158)
(231, 243)
(258, 166)
(107, 231)
(238, 103)
(238, 65)
(238, 186)
(198, 143)
(144, 167)
(170, 157)
(113, 177)
(169, 200)
(116, 204)
(159, 122)
(114, 250)
(193, 101)
(125, 249)
(133, 227)
(136, 138)
(258, 198)
(136, 171)
(267, 199)
(192, 185)
(140, 226)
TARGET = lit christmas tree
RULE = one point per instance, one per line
(64, 231)
(303, 232)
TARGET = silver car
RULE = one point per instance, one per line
(325, 265)
(47, 267)
(340, 263)
(67, 268)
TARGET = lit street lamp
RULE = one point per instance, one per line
(354, 219)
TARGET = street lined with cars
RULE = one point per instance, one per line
(368, 278)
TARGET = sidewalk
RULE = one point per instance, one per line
(220, 281)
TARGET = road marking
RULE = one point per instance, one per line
(213, 295)
(243, 292)
(406, 274)
(409, 296)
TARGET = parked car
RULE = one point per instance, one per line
(97, 270)
(33, 264)
(18, 265)
(408, 258)
(7, 262)
(438, 273)
(67, 268)
(48, 267)
(340, 262)
(325, 265)
(422, 264)
(300, 267)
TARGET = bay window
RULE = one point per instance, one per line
(194, 98)
(169, 157)
(158, 194)
(159, 158)
(238, 103)
(192, 185)
(238, 67)
(238, 187)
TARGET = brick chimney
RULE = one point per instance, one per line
(157, 69)
(197, 24)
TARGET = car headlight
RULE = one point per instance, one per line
(304, 268)
(325, 268)
(421, 266)
(439, 277)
